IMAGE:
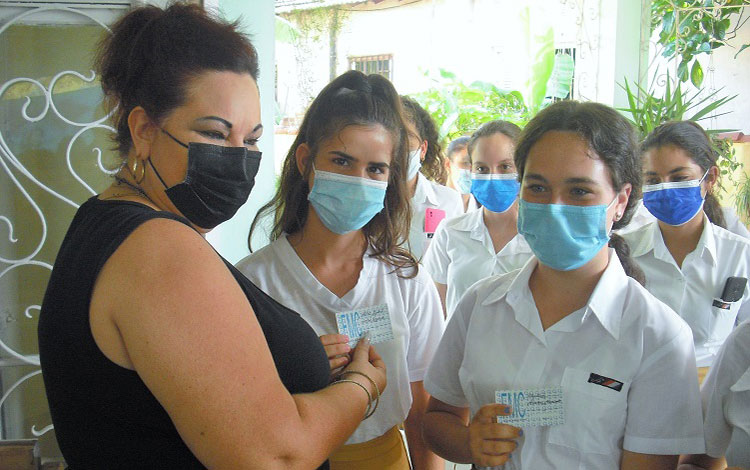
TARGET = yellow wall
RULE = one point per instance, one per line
(742, 155)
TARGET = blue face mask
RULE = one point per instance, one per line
(345, 203)
(563, 237)
(496, 192)
(674, 203)
(414, 164)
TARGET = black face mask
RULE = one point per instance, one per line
(218, 182)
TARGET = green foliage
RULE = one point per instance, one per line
(458, 108)
(314, 24)
(560, 82)
(742, 196)
(648, 110)
(689, 28)
(541, 69)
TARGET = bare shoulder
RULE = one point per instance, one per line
(168, 266)
(190, 333)
(157, 276)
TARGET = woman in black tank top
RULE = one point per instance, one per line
(156, 352)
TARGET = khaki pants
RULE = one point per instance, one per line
(702, 371)
(386, 452)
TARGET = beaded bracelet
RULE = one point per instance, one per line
(368, 411)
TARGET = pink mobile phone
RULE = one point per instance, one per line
(432, 218)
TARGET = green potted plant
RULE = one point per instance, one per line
(648, 110)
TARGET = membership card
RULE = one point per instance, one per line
(375, 319)
(532, 406)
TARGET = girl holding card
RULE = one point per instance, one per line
(481, 243)
(341, 215)
(571, 321)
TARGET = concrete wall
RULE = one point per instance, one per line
(487, 40)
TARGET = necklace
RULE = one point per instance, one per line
(119, 181)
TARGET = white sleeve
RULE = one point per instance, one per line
(456, 205)
(436, 259)
(744, 312)
(734, 224)
(727, 368)
(250, 267)
(442, 380)
(425, 316)
(664, 411)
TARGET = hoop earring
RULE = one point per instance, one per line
(133, 169)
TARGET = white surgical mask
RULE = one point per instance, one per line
(414, 164)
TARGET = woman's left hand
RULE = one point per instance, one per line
(337, 349)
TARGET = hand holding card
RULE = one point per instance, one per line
(532, 406)
(491, 443)
(374, 320)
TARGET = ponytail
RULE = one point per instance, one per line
(433, 166)
(713, 211)
(351, 99)
(628, 264)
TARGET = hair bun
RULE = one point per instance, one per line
(115, 54)
(152, 53)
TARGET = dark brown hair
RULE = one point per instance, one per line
(690, 137)
(352, 99)
(152, 54)
(508, 129)
(456, 145)
(433, 166)
(613, 139)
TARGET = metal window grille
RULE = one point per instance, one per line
(379, 64)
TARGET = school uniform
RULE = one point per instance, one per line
(461, 253)
(429, 195)
(694, 290)
(642, 216)
(413, 305)
(473, 204)
(495, 342)
(726, 400)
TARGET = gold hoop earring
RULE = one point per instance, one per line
(134, 169)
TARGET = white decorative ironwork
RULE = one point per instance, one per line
(11, 166)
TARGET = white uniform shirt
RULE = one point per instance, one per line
(473, 205)
(430, 195)
(495, 341)
(691, 291)
(642, 217)
(461, 253)
(413, 304)
(726, 400)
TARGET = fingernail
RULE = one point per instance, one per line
(520, 432)
(366, 336)
(347, 348)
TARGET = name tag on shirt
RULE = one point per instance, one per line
(432, 218)
(375, 319)
(532, 406)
